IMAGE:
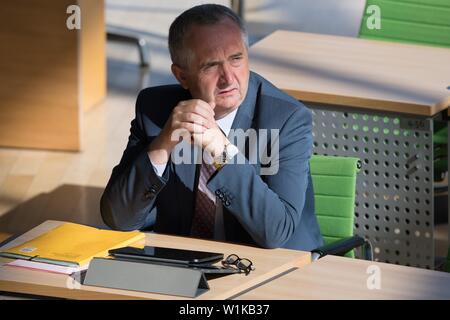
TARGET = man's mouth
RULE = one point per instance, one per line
(227, 91)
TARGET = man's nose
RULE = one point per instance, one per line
(226, 76)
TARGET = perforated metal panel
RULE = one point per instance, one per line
(394, 191)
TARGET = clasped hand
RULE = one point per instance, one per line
(195, 120)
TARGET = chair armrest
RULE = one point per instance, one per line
(343, 246)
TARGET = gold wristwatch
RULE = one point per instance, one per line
(229, 151)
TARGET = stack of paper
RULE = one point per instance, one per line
(53, 268)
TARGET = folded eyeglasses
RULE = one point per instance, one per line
(243, 265)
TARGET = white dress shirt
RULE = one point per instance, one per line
(225, 125)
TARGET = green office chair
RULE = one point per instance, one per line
(447, 262)
(334, 181)
(413, 21)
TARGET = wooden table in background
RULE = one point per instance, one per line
(353, 72)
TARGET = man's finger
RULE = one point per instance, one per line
(197, 138)
(212, 104)
(192, 127)
(200, 107)
(195, 118)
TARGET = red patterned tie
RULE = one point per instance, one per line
(205, 205)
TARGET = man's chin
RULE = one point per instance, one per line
(227, 106)
(228, 102)
(223, 109)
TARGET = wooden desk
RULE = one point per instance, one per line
(268, 263)
(373, 100)
(342, 278)
(4, 236)
(353, 72)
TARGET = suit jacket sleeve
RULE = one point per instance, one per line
(128, 202)
(270, 209)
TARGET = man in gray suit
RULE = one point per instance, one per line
(220, 190)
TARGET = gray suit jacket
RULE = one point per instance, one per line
(270, 211)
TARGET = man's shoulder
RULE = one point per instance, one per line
(157, 102)
(276, 102)
(163, 93)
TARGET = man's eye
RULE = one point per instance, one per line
(209, 67)
(236, 60)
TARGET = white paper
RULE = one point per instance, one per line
(45, 266)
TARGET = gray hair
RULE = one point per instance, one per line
(205, 14)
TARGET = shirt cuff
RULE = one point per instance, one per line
(159, 168)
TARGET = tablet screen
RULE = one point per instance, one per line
(167, 255)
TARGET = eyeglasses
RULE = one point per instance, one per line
(243, 265)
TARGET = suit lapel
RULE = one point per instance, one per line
(246, 112)
(244, 120)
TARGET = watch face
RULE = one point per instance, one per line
(227, 154)
(224, 156)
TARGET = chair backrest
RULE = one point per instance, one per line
(414, 21)
(334, 181)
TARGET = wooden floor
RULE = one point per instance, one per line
(36, 185)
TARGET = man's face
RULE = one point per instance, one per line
(218, 66)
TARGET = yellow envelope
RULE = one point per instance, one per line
(72, 244)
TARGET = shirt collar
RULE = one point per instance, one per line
(226, 122)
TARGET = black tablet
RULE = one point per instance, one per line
(168, 255)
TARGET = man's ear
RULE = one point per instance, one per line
(180, 74)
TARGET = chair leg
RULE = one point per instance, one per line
(367, 250)
(238, 7)
(141, 44)
(143, 52)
